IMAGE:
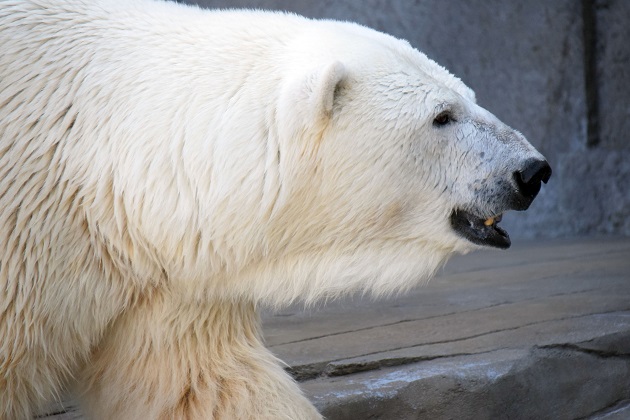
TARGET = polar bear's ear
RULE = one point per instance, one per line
(325, 87)
(308, 99)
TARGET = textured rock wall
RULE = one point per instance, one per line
(557, 71)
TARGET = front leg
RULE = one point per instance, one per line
(168, 359)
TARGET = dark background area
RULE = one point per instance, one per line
(558, 71)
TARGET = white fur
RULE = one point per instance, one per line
(163, 169)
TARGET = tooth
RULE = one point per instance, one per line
(489, 221)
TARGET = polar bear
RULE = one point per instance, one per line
(165, 170)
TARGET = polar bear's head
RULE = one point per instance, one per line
(404, 151)
(395, 155)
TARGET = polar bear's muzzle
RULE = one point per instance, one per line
(483, 229)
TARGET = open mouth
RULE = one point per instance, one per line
(480, 231)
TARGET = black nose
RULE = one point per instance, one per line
(529, 177)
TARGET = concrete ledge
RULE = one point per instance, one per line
(551, 382)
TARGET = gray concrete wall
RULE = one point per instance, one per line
(558, 71)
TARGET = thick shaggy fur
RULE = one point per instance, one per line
(164, 169)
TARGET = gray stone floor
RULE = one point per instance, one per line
(541, 331)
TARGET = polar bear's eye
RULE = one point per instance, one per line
(443, 118)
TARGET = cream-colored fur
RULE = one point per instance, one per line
(165, 169)
(208, 362)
